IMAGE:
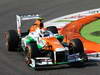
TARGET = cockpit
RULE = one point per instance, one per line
(47, 34)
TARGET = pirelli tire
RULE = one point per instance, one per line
(12, 40)
(31, 52)
(76, 46)
(53, 29)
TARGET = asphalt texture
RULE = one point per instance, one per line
(12, 63)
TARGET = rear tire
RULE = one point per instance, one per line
(53, 29)
(12, 40)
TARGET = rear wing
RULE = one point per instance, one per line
(19, 19)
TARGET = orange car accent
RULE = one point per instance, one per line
(53, 43)
(72, 30)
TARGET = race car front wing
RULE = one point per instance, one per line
(41, 61)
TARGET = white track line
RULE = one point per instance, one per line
(62, 21)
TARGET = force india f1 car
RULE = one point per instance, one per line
(47, 48)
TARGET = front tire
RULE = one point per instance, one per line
(31, 52)
(76, 46)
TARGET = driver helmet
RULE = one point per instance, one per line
(39, 22)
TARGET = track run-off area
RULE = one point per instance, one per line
(92, 31)
(12, 63)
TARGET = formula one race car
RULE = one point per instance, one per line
(47, 48)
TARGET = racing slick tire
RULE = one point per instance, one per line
(53, 29)
(76, 46)
(12, 40)
(31, 52)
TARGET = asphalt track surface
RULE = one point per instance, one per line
(13, 63)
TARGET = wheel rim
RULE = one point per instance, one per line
(71, 46)
(28, 55)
